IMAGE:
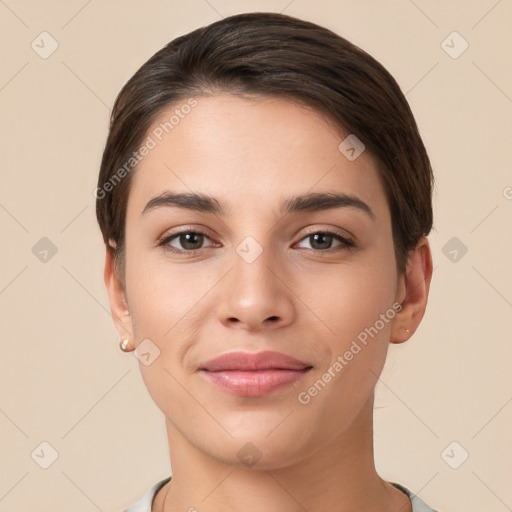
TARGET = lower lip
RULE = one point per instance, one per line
(253, 383)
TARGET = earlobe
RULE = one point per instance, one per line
(417, 284)
(118, 304)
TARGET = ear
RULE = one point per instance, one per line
(413, 292)
(116, 296)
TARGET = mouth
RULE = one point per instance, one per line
(252, 375)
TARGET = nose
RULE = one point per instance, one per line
(256, 296)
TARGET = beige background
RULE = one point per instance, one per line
(64, 380)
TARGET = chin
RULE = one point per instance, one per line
(256, 449)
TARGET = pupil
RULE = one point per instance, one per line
(324, 242)
(187, 239)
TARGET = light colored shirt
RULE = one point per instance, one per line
(144, 504)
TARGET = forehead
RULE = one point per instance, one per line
(250, 153)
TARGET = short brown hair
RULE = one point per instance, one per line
(275, 55)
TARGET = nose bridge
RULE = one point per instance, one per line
(255, 255)
(254, 269)
(254, 292)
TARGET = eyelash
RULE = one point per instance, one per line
(347, 243)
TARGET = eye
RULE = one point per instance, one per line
(322, 240)
(190, 241)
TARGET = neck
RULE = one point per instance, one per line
(339, 476)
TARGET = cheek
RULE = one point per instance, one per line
(350, 298)
(158, 293)
(161, 304)
(357, 308)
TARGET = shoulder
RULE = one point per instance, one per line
(144, 504)
(418, 505)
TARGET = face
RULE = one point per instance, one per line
(241, 272)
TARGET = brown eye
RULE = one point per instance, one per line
(323, 240)
(187, 241)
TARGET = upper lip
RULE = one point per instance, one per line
(248, 361)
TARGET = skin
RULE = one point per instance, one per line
(251, 155)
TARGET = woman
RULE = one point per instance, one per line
(265, 200)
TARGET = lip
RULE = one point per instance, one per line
(253, 361)
(253, 374)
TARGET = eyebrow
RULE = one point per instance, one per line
(304, 203)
